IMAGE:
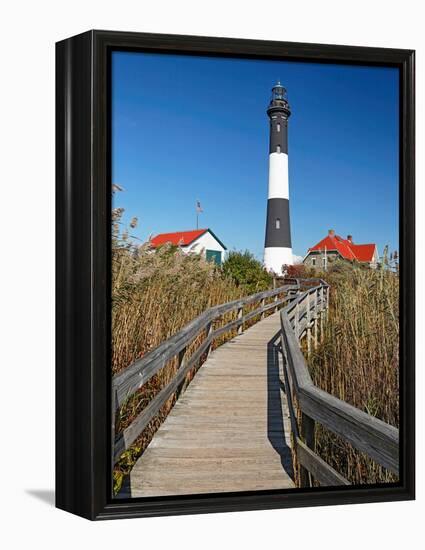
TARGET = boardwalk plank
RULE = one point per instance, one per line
(230, 431)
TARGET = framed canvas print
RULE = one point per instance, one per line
(235, 274)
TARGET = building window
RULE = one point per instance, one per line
(213, 256)
(277, 223)
(278, 148)
(313, 262)
(278, 127)
(324, 261)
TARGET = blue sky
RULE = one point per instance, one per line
(188, 128)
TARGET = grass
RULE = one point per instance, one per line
(358, 360)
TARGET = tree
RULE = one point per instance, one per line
(247, 272)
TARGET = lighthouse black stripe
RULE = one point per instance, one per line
(278, 232)
(278, 135)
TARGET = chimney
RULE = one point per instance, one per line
(350, 238)
(331, 232)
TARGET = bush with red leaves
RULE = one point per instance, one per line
(295, 271)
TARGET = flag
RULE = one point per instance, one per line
(198, 207)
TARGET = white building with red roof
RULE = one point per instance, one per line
(334, 247)
(199, 241)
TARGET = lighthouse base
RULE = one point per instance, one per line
(275, 257)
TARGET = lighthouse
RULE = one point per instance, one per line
(278, 247)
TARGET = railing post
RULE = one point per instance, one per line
(182, 354)
(210, 328)
(296, 321)
(114, 419)
(240, 314)
(321, 313)
(180, 363)
(308, 324)
(276, 299)
(315, 320)
(327, 303)
(262, 304)
(307, 432)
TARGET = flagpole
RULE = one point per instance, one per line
(198, 210)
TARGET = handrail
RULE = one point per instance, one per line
(366, 433)
(127, 382)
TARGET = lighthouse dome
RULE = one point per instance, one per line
(279, 102)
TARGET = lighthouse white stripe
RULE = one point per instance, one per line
(276, 257)
(278, 176)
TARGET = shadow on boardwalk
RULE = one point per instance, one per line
(275, 421)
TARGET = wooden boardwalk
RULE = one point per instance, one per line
(230, 430)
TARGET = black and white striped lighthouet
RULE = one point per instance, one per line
(278, 248)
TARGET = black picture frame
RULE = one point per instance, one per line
(83, 435)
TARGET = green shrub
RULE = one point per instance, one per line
(247, 272)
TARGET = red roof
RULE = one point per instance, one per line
(347, 249)
(179, 238)
(363, 252)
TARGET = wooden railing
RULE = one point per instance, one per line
(309, 404)
(126, 383)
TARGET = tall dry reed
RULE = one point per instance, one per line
(358, 361)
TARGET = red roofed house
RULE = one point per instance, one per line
(199, 241)
(334, 247)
